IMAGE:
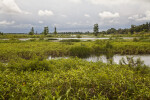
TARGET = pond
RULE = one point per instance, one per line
(115, 58)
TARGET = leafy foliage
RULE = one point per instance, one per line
(72, 79)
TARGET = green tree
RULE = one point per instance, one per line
(1, 33)
(111, 31)
(96, 29)
(149, 26)
(55, 31)
(46, 30)
(32, 31)
(132, 29)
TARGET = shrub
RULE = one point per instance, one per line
(80, 51)
(135, 40)
(79, 36)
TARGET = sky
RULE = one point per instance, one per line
(19, 16)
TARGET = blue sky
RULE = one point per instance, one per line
(18, 16)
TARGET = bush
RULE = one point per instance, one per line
(80, 51)
(79, 36)
(135, 40)
(30, 65)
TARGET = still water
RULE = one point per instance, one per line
(115, 58)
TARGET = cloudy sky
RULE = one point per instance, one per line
(71, 15)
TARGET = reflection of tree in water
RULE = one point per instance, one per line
(109, 57)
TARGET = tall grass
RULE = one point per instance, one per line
(80, 51)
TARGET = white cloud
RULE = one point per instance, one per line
(134, 17)
(10, 6)
(141, 17)
(108, 1)
(23, 26)
(45, 13)
(107, 15)
(6, 22)
(76, 1)
(64, 16)
(41, 22)
(87, 15)
(113, 22)
(115, 2)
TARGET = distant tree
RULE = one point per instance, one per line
(46, 30)
(32, 31)
(96, 29)
(55, 31)
(111, 31)
(1, 33)
(132, 29)
(149, 26)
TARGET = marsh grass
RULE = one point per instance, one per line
(13, 49)
(80, 51)
(26, 74)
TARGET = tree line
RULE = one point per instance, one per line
(45, 31)
(132, 30)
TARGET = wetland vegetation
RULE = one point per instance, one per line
(27, 73)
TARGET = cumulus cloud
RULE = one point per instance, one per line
(45, 13)
(141, 17)
(10, 6)
(4, 22)
(107, 15)
(87, 15)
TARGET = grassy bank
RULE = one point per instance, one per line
(72, 79)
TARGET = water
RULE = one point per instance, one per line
(25, 39)
(115, 58)
(82, 38)
(87, 38)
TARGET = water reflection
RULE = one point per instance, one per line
(113, 58)
(117, 58)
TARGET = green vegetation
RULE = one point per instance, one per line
(26, 72)
(72, 79)
(96, 29)
(55, 31)
(46, 30)
(140, 29)
(1, 33)
(32, 31)
(14, 49)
